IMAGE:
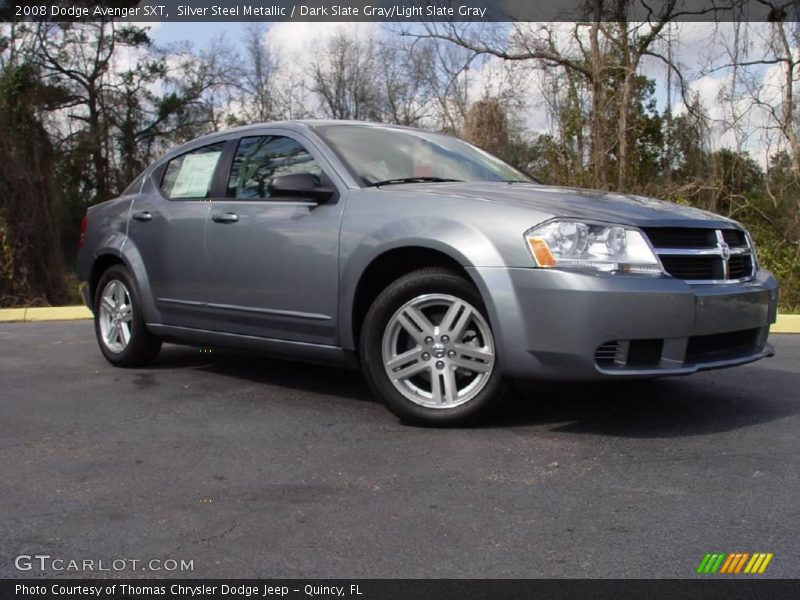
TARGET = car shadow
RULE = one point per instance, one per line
(686, 406)
(261, 368)
(674, 407)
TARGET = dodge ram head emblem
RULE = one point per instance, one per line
(725, 249)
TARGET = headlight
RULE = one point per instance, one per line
(568, 244)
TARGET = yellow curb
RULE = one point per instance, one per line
(58, 313)
(786, 324)
(12, 314)
(48, 313)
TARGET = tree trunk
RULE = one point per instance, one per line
(623, 149)
(789, 126)
(598, 135)
(97, 151)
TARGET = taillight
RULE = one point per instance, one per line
(82, 238)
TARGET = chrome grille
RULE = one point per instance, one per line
(681, 237)
(740, 267)
(703, 255)
(734, 237)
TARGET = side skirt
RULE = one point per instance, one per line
(303, 351)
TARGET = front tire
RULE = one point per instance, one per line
(427, 350)
(119, 325)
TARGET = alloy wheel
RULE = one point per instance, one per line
(116, 316)
(438, 351)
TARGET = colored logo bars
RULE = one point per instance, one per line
(739, 562)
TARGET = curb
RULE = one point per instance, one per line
(48, 313)
(784, 324)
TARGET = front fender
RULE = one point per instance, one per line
(461, 242)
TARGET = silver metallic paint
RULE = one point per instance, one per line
(267, 281)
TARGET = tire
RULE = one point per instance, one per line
(116, 304)
(435, 380)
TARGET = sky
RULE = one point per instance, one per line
(697, 44)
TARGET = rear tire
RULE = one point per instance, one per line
(119, 325)
(427, 350)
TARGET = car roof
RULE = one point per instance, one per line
(306, 123)
(296, 125)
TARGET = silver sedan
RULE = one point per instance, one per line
(440, 271)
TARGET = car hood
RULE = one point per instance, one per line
(625, 209)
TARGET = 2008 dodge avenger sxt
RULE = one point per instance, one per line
(440, 270)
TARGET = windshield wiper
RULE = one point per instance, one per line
(412, 180)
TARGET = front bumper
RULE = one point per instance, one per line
(567, 326)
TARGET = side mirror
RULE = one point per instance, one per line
(301, 185)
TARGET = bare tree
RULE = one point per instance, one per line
(343, 75)
(32, 267)
(765, 78)
(631, 42)
(785, 51)
(487, 126)
(604, 52)
(257, 76)
(79, 57)
(403, 74)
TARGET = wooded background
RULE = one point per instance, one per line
(85, 107)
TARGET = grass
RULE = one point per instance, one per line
(74, 294)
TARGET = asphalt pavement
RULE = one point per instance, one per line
(253, 467)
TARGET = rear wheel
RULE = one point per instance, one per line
(428, 351)
(118, 322)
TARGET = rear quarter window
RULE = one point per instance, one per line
(190, 175)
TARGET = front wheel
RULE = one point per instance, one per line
(119, 324)
(428, 351)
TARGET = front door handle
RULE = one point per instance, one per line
(143, 216)
(225, 217)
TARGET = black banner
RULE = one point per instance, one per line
(403, 10)
(407, 589)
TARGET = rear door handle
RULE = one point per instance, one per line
(143, 216)
(225, 217)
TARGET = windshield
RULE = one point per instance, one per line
(385, 155)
